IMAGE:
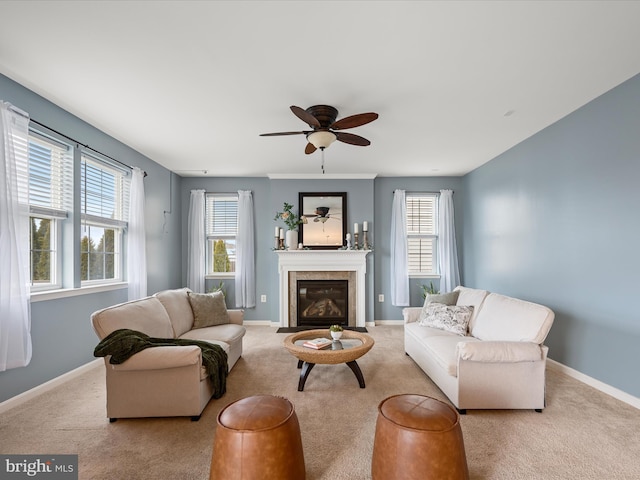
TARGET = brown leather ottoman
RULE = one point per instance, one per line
(258, 438)
(418, 437)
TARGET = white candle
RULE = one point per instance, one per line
(277, 231)
(355, 228)
(281, 233)
(365, 227)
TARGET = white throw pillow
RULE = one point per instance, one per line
(451, 318)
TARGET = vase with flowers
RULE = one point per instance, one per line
(291, 221)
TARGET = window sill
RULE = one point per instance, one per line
(210, 276)
(424, 275)
(43, 296)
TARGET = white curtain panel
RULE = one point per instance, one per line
(447, 249)
(245, 253)
(136, 239)
(196, 242)
(399, 267)
(15, 307)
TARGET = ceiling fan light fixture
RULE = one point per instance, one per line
(321, 139)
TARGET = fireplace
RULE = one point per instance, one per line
(344, 266)
(322, 303)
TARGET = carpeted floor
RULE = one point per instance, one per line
(582, 434)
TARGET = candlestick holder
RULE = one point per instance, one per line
(365, 241)
(355, 241)
(281, 244)
(277, 242)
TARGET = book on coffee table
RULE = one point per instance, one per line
(317, 343)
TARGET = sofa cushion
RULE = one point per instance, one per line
(443, 350)
(451, 318)
(176, 303)
(504, 318)
(208, 309)
(146, 315)
(219, 334)
(472, 297)
(500, 352)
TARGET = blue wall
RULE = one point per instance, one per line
(555, 220)
(62, 335)
(384, 188)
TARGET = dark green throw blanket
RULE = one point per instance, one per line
(122, 344)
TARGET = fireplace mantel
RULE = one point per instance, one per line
(322, 261)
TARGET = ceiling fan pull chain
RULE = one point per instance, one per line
(322, 155)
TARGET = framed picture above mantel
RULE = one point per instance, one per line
(324, 216)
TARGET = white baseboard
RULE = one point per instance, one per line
(592, 382)
(45, 387)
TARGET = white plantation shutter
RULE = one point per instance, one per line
(422, 232)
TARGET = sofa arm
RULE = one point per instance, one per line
(500, 352)
(236, 316)
(411, 314)
(160, 358)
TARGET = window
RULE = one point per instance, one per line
(49, 190)
(104, 194)
(422, 233)
(221, 212)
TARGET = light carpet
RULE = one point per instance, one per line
(582, 434)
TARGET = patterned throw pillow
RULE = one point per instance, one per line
(208, 309)
(451, 318)
(444, 298)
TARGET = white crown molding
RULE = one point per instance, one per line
(322, 176)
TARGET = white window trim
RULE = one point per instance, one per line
(434, 274)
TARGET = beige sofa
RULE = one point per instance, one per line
(164, 381)
(499, 363)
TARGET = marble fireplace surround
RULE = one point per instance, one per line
(294, 265)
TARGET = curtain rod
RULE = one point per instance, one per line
(83, 144)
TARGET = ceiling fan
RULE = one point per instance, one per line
(322, 119)
(321, 214)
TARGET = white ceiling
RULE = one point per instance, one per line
(191, 85)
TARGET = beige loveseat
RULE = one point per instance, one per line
(500, 361)
(164, 381)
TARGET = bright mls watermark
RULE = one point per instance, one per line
(53, 467)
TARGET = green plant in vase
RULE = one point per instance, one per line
(336, 331)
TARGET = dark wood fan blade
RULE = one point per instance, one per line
(354, 121)
(305, 116)
(282, 133)
(310, 148)
(352, 139)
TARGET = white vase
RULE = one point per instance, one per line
(336, 335)
(291, 239)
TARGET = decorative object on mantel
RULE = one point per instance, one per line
(324, 221)
(291, 221)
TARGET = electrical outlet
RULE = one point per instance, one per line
(381, 297)
(263, 298)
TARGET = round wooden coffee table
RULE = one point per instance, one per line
(347, 350)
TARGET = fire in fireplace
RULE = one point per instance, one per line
(322, 302)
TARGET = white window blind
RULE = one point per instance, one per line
(104, 192)
(422, 232)
(48, 189)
